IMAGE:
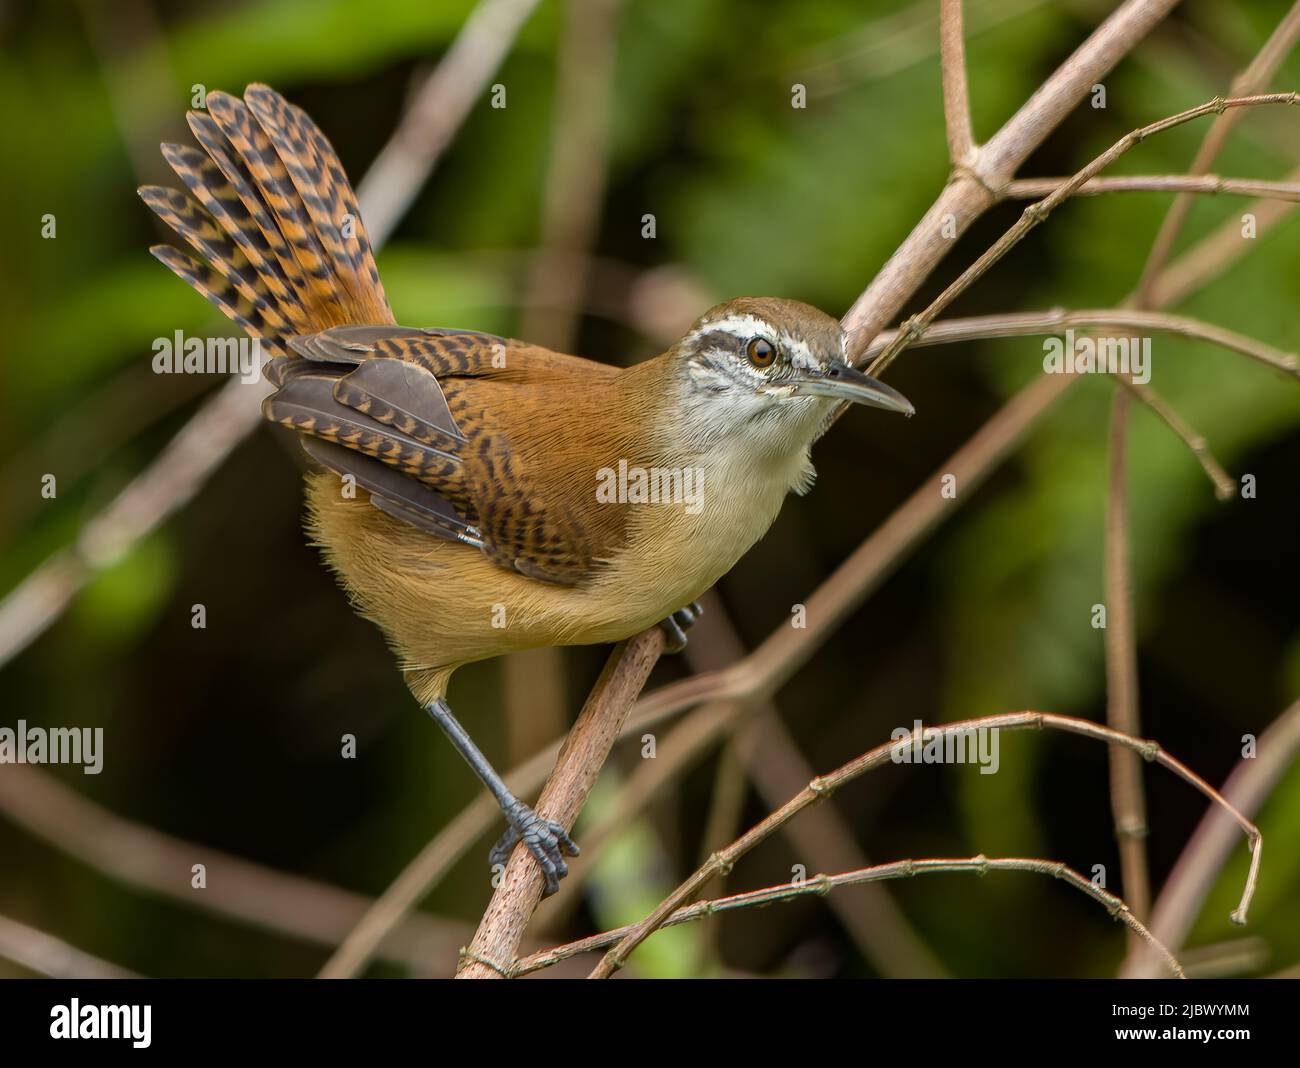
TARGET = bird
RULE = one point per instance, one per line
(477, 495)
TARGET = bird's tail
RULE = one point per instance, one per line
(281, 247)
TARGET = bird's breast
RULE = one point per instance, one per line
(680, 546)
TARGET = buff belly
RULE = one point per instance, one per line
(442, 604)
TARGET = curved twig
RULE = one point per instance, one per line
(825, 785)
(822, 884)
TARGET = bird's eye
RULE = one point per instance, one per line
(760, 351)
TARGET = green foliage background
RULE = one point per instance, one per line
(228, 736)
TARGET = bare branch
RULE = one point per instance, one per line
(825, 785)
(1213, 254)
(1127, 799)
(1037, 212)
(437, 112)
(158, 864)
(822, 885)
(1212, 184)
(582, 755)
(1057, 320)
(956, 98)
(1224, 487)
(1253, 79)
(963, 200)
(878, 925)
(1188, 885)
(52, 957)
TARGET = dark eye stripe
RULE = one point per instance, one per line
(718, 339)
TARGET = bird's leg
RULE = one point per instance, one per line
(546, 840)
(676, 625)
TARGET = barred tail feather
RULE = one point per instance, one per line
(273, 219)
(217, 289)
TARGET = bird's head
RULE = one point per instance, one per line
(771, 369)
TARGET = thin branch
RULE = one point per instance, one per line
(964, 200)
(583, 754)
(1037, 212)
(892, 43)
(1210, 846)
(1224, 487)
(1212, 255)
(956, 97)
(158, 865)
(826, 840)
(821, 885)
(577, 172)
(1253, 79)
(768, 756)
(158, 492)
(825, 785)
(52, 957)
(1127, 799)
(437, 111)
(1057, 320)
(1211, 184)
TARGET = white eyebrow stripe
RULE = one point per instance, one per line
(740, 325)
(743, 326)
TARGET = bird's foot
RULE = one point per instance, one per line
(546, 840)
(676, 625)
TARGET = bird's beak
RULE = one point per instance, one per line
(841, 382)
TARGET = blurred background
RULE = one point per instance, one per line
(222, 744)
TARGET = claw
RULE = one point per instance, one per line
(546, 840)
(500, 852)
(676, 625)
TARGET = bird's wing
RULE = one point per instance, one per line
(412, 416)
